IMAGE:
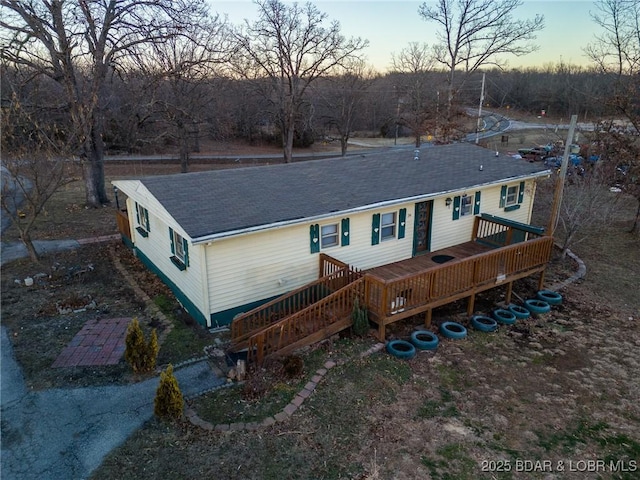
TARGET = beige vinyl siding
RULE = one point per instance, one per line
(446, 232)
(261, 265)
(157, 246)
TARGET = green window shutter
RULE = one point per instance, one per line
(476, 203)
(503, 196)
(185, 249)
(402, 220)
(173, 247)
(456, 207)
(375, 229)
(521, 193)
(314, 238)
(137, 214)
(146, 219)
(344, 239)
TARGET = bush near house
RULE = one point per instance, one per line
(360, 320)
(168, 402)
(141, 355)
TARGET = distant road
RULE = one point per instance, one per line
(496, 124)
(492, 124)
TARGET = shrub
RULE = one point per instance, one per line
(138, 353)
(293, 366)
(168, 402)
(360, 320)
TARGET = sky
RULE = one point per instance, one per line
(390, 25)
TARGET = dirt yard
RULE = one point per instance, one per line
(554, 397)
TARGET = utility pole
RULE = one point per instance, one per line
(480, 110)
(557, 194)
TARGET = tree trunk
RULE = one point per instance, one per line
(636, 220)
(184, 152)
(93, 169)
(343, 144)
(288, 143)
(418, 140)
(28, 243)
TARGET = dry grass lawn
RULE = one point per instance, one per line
(553, 397)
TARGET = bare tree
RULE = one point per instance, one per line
(616, 53)
(291, 47)
(80, 44)
(341, 95)
(183, 66)
(36, 163)
(475, 33)
(417, 93)
(588, 206)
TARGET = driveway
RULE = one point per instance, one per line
(66, 433)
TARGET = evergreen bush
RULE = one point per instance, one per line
(360, 319)
(168, 402)
(138, 353)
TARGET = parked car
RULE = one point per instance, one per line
(534, 154)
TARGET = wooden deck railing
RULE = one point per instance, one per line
(500, 232)
(303, 319)
(329, 265)
(269, 313)
(310, 325)
(386, 298)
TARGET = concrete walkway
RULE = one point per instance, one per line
(66, 433)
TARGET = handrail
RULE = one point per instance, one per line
(386, 298)
(302, 325)
(499, 232)
(246, 324)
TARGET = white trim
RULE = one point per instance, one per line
(345, 213)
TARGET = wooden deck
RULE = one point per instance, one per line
(501, 252)
(411, 266)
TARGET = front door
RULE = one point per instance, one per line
(422, 227)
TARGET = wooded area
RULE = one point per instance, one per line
(138, 77)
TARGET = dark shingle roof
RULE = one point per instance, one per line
(218, 201)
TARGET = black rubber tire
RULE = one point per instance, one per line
(506, 317)
(483, 323)
(401, 349)
(453, 330)
(520, 312)
(549, 296)
(536, 306)
(424, 340)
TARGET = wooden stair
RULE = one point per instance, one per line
(256, 320)
(310, 325)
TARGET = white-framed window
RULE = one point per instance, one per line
(142, 217)
(388, 226)
(178, 241)
(179, 250)
(329, 235)
(512, 196)
(466, 205)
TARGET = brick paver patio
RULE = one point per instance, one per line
(99, 342)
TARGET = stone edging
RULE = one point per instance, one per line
(286, 412)
(151, 309)
(580, 273)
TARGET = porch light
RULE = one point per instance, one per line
(448, 201)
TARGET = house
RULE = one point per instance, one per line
(227, 241)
